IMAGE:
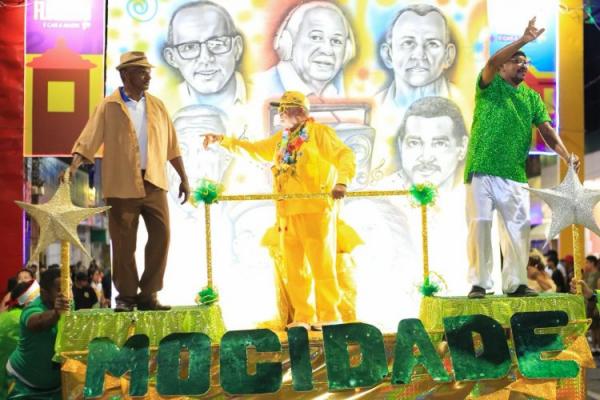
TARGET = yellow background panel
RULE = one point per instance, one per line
(61, 96)
(96, 93)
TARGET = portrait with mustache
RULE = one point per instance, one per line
(432, 143)
(418, 50)
(314, 43)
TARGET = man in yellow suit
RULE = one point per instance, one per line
(307, 157)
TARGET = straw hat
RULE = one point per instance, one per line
(134, 59)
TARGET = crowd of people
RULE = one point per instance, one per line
(91, 285)
(548, 274)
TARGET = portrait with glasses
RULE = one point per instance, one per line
(204, 46)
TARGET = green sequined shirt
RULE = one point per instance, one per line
(501, 130)
(32, 359)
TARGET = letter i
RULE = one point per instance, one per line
(300, 359)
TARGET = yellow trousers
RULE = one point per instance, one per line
(310, 239)
(347, 241)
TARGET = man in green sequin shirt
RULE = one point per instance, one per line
(505, 110)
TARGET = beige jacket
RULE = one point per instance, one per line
(111, 126)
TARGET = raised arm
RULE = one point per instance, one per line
(261, 149)
(504, 54)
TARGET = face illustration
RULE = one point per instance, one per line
(319, 46)
(429, 151)
(419, 51)
(247, 231)
(203, 50)
(199, 162)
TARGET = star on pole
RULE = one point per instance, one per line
(58, 218)
(571, 203)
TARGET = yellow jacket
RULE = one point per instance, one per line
(323, 161)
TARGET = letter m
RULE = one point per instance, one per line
(105, 356)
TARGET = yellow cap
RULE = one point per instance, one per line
(292, 99)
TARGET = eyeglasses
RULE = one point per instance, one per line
(521, 63)
(215, 45)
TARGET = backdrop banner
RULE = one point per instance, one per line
(366, 67)
(64, 74)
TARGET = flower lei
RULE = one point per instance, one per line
(288, 150)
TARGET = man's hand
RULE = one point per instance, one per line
(210, 138)
(184, 189)
(67, 174)
(61, 303)
(585, 289)
(573, 159)
(531, 32)
(339, 191)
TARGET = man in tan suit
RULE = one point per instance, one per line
(138, 139)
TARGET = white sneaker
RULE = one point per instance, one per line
(298, 324)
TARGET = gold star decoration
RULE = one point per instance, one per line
(571, 203)
(58, 219)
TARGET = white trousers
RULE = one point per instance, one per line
(485, 194)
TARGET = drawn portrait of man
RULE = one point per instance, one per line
(211, 163)
(431, 144)
(314, 43)
(204, 45)
(418, 50)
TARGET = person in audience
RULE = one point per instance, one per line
(95, 277)
(568, 262)
(107, 286)
(84, 295)
(21, 294)
(23, 275)
(590, 272)
(537, 277)
(559, 278)
(30, 365)
(592, 280)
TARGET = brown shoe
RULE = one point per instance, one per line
(152, 305)
(124, 306)
(523, 291)
(477, 292)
